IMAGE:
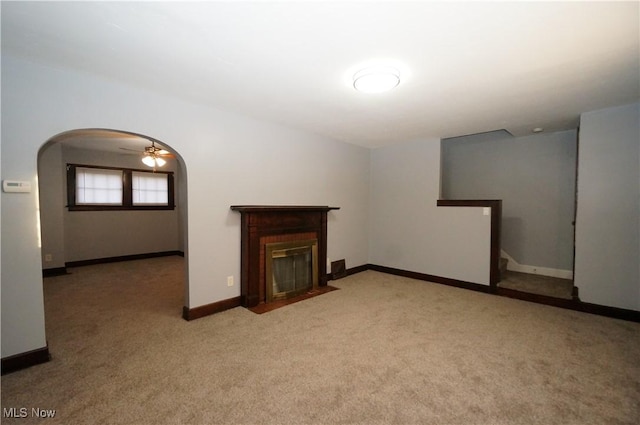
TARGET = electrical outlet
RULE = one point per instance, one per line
(229, 280)
(48, 257)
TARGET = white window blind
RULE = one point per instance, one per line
(149, 189)
(95, 186)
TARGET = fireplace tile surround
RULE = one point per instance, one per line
(265, 224)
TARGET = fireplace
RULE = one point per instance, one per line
(283, 252)
(291, 269)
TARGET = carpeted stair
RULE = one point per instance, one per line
(503, 267)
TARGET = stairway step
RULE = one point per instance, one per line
(503, 267)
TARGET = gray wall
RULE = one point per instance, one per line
(409, 231)
(52, 196)
(229, 160)
(607, 227)
(535, 178)
(102, 234)
(87, 235)
(388, 193)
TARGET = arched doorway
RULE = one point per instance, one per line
(95, 233)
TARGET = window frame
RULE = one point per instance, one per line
(127, 190)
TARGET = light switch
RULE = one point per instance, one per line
(486, 211)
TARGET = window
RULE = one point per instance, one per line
(91, 188)
(149, 188)
(95, 186)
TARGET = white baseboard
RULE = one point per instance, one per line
(513, 265)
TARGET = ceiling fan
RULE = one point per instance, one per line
(153, 156)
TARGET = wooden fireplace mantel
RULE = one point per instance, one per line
(261, 224)
(281, 208)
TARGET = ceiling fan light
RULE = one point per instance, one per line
(148, 161)
(376, 79)
(153, 161)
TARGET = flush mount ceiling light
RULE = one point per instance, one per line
(376, 79)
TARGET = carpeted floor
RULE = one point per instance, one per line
(381, 350)
(537, 284)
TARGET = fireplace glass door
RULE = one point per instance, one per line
(291, 268)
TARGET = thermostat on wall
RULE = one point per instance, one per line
(16, 186)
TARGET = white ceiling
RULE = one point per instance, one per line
(468, 67)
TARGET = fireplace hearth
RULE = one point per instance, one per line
(283, 252)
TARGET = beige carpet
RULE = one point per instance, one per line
(382, 350)
(537, 284)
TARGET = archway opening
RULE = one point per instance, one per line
(141, 226)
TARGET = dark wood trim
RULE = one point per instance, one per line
(260, 222)
(25, 360)
(358, 269)
(282, 208)
(537, 298)
(575, 293)
(352, 270)
(468, 202)
(171, 188)
(121, 207)
(71, 185)
(496, 226)
(127, 192)
(322, 248)
(123, 258)
(431, 278)
(209, 309)
(614, 312)
(103, 167)
(573, 304)
(57, 271)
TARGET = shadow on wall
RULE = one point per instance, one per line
(513, 237)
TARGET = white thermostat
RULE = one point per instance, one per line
(16, 186)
